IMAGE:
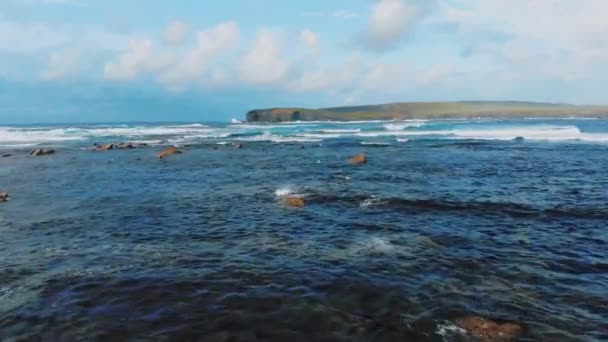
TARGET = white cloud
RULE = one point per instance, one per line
(211, 43)
(534, 39)
(176, 32)
(389, 23)
(339, 14)
(311, 40)
(29, 38)
(265, 63)
(140, 58)
(63, 64)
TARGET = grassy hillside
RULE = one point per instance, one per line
(427, 110)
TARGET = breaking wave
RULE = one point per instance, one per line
(376, 132)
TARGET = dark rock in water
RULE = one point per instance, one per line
(126, 146)
(295, 202)
(169, 151)
(105, 147)
(6, 155)
(489, 331)
(3, 197)
(41, 152)
(358, 159)
(519, 139)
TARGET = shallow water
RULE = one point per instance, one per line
(461, 220)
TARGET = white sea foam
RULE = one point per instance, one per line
(288, 190)
(266, 136)
(236, 121)
(370, 202)
(378, 245)
(398, 126)
(341, 131)
(402, 140)
(448, 329)
(548, 133)
(34, 136)
(375, 143)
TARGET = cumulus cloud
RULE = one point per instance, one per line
(264, 63)
(390, 22)
(139, 58)
(62, 64)
(176, 32)
(311, 40)
(567, 40)
(210, 44)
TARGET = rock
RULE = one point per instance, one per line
(519, 139)
(487, 330)
(41, 152)
(126, 146)
(237, 146)
(358, 159)
(105, 147)
(169, 151)
(295, 202)
(6, 155)
(3, 197)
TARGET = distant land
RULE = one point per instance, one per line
(429, 110)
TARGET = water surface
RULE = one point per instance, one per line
(448, 218)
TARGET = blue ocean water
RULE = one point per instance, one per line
(505, 219)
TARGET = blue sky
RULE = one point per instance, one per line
(153, 60)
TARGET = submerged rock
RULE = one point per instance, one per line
(358, 159)
(41, 152)
(7, 155)
(3, 197)
(487, 330)
(169, 151)
(126, 146)
(295, 202)
(105, 147)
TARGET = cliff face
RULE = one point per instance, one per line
(427, 110)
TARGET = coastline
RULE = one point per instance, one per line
(429, 110)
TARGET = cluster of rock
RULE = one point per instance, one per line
(298, 202)
(3, 197)
(121, 146)
(486, 330)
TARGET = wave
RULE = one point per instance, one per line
(374, 143)
(33, 136)
(341, 131)
(278, 138)
(290, 132)
(403, 125)
(548, 133)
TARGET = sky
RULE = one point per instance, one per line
(190, 60)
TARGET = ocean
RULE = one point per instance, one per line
(503, 219)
